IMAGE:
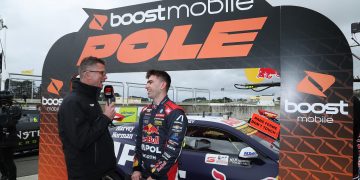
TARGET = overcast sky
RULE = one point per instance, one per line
(35, 25)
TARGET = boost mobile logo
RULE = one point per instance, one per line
(55, 86)
(323, 80)
(98, 22)
(320, 110)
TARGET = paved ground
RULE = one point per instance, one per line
(27, 166)
(32, 177)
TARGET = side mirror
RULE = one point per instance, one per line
(248, 153)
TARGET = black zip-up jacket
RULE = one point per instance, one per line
(159, 140)
(83, 129)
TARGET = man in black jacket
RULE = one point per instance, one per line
(8, 140)
(162, 127)
(83, 126)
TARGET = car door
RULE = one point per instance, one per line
(212, 153)
(28, 131)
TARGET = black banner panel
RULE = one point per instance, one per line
(316, 91)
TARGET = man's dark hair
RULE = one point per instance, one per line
(163, 75)
(88, 62)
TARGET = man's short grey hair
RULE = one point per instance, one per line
(89, 62)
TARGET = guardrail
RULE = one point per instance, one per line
(27, 89)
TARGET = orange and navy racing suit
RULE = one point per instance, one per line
(159, 140)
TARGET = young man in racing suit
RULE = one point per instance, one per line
(162, 127)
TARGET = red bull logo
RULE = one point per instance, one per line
(257, 75)
(150, 129)
(267, 73)
(151, 140)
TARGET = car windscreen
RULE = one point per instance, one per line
(265, 140)
(29, 116)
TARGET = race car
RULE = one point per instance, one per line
(28, 131)
(214, 148)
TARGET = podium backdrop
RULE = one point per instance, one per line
(307, 48)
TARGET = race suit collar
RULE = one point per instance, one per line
(166, 98)
(82, 88)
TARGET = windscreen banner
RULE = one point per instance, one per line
(309, 51)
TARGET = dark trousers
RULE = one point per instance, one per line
(7, 164)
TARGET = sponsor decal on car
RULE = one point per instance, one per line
(217, 159)
(24, 135)
(270, 178)
(122, 135)
(123, 153)
(125, 128)
(182, 174)
(129, 113)
(235, 161)
(217, 175)
(248, 152)
(233, 122)
(27, 142)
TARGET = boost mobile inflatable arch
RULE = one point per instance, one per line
(308, 49)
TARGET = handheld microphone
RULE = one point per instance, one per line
(109, 94)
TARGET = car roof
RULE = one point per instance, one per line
(232, 122)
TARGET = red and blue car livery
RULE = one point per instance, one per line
(213, 148)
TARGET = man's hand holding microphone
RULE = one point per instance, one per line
(109, 109)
